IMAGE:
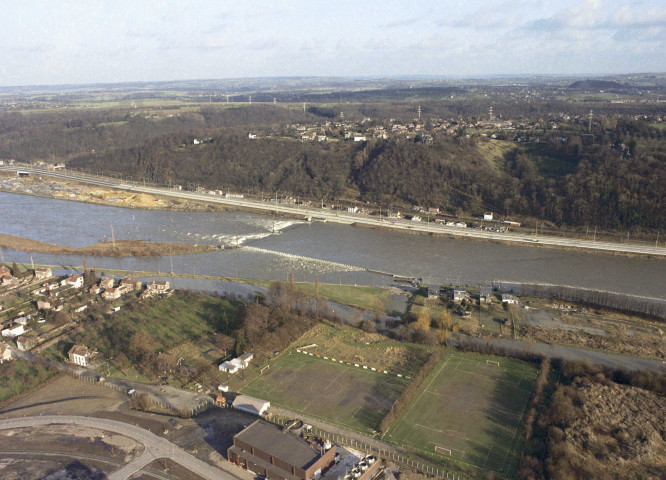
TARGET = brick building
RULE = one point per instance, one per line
(267, 450)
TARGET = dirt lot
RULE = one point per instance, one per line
(120, 248)
(20, 467)
(207, 435)
(566, 323)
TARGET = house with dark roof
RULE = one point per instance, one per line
(272, 452)
(485, 294)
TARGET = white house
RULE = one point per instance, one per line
(13, 331)
(488, 216)
(240, 363)
(75, 281)
(245, 359)
(508, 298)
(229, 367)
(459, 295)
(42, 273)
(5, 353)
(10, 282)
(158, 286)
(112, 293)
(81, 355)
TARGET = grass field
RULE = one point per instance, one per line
(370, 298)
(337, 393)
(356, 346)
(469, 410)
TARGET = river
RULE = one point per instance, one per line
(337, 253)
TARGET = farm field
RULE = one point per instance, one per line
(338, 393)
(470, 410)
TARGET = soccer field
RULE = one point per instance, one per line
(470, 409)
(338, 393)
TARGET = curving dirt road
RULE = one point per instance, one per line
(156, 447)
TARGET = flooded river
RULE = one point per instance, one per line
(336, 253)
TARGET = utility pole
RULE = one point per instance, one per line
(589, 122)
(595, 234)
(656, 244)
(419, 110)
(303, 107)
(113, 238)
(250, 97)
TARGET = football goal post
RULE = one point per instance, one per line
(492, 362)
(264, 368)
(445, 451)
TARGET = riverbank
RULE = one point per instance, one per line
(213, 202)
(80, 192)
(119, 248)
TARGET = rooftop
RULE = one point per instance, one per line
(280, 444)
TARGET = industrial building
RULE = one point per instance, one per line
(268, 450)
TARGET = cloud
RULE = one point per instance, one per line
(492, 16)
(403, 23)
(593, 15)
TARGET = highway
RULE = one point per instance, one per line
(155, 447)
(349, 218)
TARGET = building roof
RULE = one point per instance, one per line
(250, 404)
(79, 350)
(280, 444)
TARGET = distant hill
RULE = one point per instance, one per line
(595, 85)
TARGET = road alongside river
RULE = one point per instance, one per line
(349, 218)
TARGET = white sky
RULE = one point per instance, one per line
(88, 41)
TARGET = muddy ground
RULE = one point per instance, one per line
(120, 248)
(44, 186)
(207, 435)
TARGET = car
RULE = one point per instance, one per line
(130, 391)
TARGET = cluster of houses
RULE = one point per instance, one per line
(110, 291)
(236, 364)
(458, 295)
(50, 296)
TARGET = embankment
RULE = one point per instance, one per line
(119, 248)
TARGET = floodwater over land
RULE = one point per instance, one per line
(336, 253)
